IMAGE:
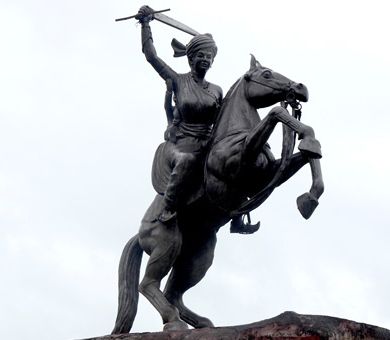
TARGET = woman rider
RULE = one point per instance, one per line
(197, 103)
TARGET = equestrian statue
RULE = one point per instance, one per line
(214, 166)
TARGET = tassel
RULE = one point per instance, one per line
(178, 48)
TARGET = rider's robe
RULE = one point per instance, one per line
(197, 106)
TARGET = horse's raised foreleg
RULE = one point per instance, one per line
(317, 188)
(261, 133)
(163, 243)
(309, 147)
(295, 163)
(257, 138)
(191, 266)
(309, 201)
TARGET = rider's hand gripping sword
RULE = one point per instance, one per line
(166, 20)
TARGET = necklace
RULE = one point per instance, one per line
(205, 84)
(205, 87)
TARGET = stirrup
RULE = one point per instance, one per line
(238, 226)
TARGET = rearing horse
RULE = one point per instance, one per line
(240, 174)
(240, 163)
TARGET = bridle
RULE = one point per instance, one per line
(277, 86)
(290, 98)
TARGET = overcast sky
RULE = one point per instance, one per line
(81, 113)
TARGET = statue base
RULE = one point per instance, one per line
(288, 325)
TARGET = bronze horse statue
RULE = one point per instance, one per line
(240, 173)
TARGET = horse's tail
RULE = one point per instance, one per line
(129, 269)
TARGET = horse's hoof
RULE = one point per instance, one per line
(203, 323)
(307, 203)
(311, 147)
(177, 325)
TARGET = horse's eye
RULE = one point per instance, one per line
(267, 74)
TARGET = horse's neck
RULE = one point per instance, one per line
(236, 115)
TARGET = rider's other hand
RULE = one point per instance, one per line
(145, 14)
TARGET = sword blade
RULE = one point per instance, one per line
(174, 23)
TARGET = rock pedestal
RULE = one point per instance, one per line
(288, 325)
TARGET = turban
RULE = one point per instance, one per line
(197, 43)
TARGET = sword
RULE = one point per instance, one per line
(174, 23)
(168, 21)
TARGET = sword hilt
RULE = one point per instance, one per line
(133, 16)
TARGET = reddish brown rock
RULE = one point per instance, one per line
(288, 325)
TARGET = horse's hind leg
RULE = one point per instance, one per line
(192, 265)
(163, 243)
(159, 264)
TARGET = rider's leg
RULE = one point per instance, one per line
(184, 163)
(191, 266)
(163, 243)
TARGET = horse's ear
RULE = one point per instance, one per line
(254, 63)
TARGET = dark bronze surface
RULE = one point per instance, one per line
(214, 165)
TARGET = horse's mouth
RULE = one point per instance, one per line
(301, 92)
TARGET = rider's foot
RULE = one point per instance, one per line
(167, 215)
(238, 226)
(311, 147)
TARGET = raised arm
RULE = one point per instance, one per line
(145, 15)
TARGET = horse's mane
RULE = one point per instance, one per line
(229, 93)
(224, 102)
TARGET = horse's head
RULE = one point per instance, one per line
(265, 87)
